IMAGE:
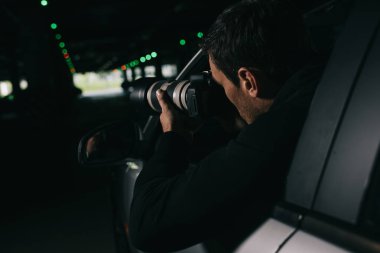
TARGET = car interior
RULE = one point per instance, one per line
(69, 163)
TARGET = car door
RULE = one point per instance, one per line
(332, 200)
(345, 210)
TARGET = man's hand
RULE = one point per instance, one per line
(172, 120)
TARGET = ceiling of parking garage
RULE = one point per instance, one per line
(103, 34)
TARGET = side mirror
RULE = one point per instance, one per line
(109, 144)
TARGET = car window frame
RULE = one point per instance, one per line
(328, 106)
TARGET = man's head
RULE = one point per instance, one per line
(255, 45)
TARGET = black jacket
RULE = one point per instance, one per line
(232, 190)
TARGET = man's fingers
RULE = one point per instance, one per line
(167, 116)
(161, 97)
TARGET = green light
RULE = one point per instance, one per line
(148, 57)
(58, 36)
(142, 59)
(53, 26)
(61, 44)
(64, 51)
(154, 54)
(136, 62)
(200, 35)
(182, 42)
(44, 2)
(11, 97)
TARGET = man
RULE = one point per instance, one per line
(260, 54)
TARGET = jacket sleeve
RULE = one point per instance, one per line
(175, 206)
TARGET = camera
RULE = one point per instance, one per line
(189, 96)
(196, 95)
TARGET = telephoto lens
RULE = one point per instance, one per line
(187, 95)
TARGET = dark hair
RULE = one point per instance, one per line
(265, 35)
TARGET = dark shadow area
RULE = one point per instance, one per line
(48, 199)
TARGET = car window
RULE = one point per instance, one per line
(335, 173)
(353, 154)
(329, 104)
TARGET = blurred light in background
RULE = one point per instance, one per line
(138, 73)
(5, 88)
(129, 75)
(24, 84)
(44, 2)
(169, 70)
(150, 71)
(101, 83)
(53, 26)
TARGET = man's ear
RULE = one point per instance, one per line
(248, 82)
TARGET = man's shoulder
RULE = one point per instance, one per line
(276, 128)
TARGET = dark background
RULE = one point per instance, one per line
(49, 203)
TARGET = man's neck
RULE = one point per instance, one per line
(262, 106)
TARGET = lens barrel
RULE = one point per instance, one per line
(186, 95)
